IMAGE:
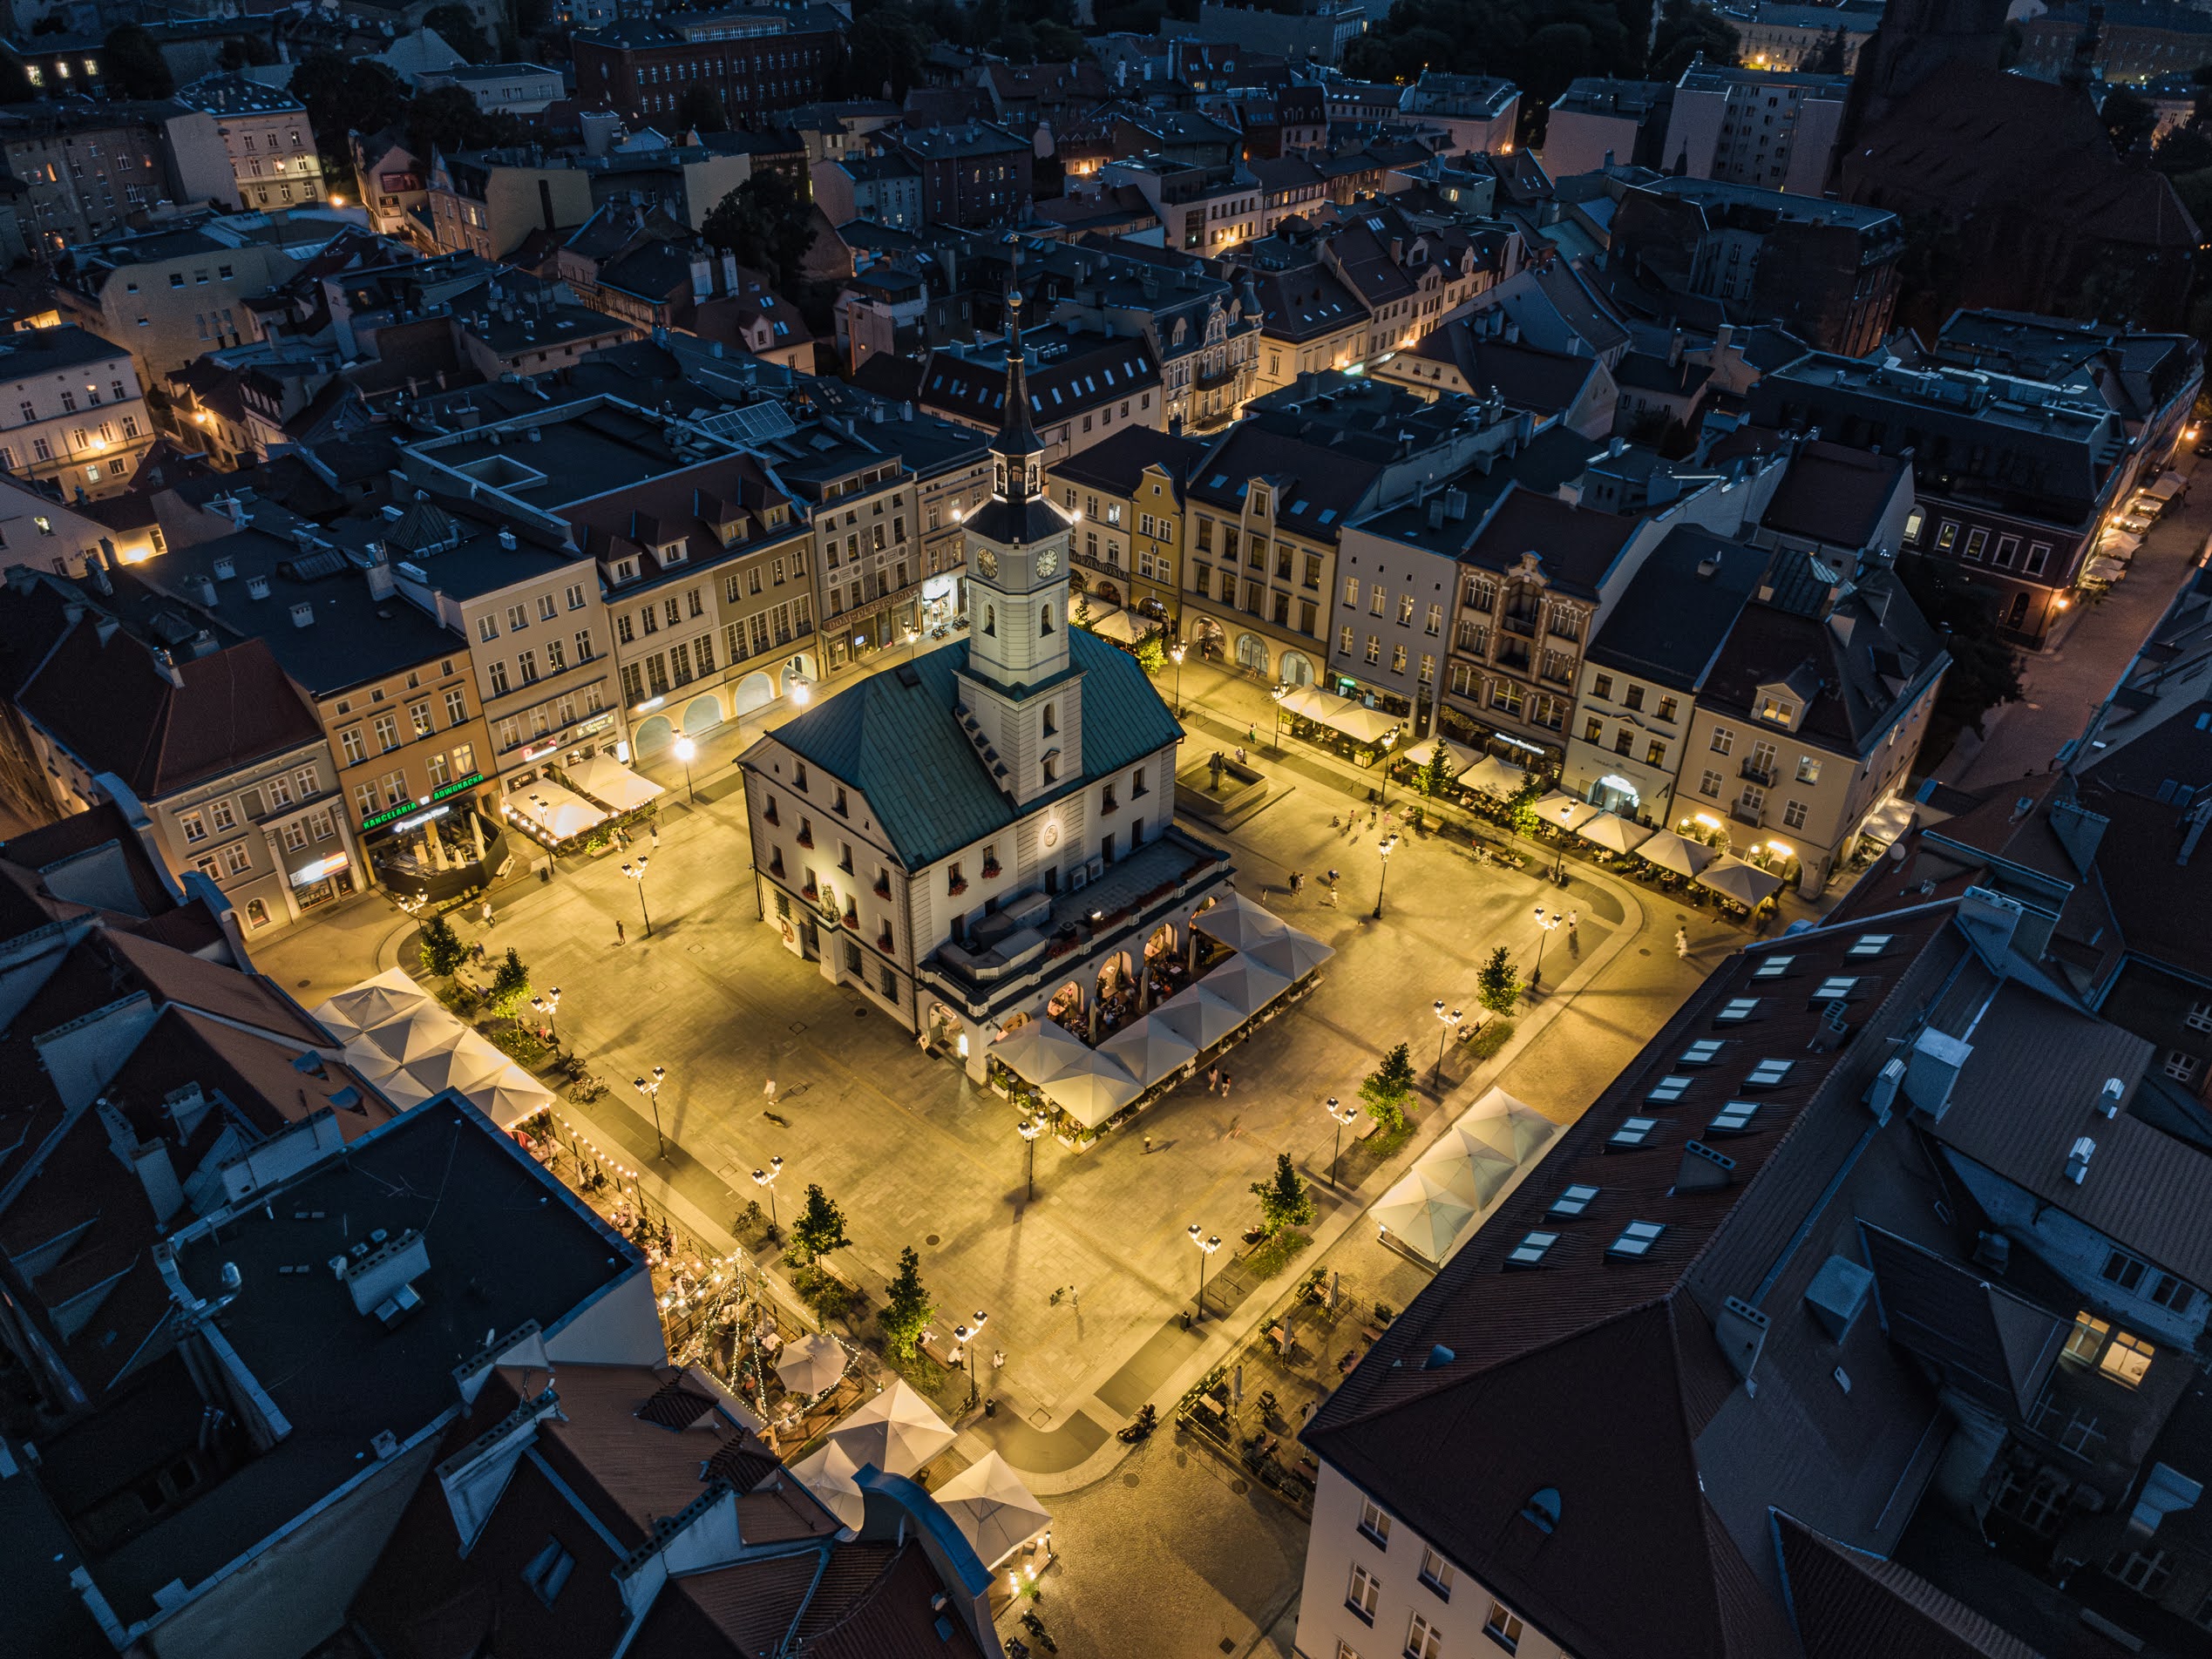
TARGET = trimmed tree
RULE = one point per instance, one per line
(443, 952)
(1497, 987)
(1436, 776)
(819, 1227)
(1388, 1087)
(1151, 654)
(907, 1308)
(1284, 1201)
(509, 984)
(1520, 809)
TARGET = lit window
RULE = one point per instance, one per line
(2127, 1358)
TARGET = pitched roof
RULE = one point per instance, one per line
(894, 737)
(1117, 462)
(118, 711)
(1676, 613)
(1575, 547)
(1847, 1603)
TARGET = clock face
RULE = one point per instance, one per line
(1047, 561)
(987, 563)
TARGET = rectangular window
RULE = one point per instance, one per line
(457, 707)
(419, 715)
(238, 858)
(1437, 1573)
(1709, 785)
(1503, 1628)
(1723, 740)
(354, 750)
(2127, 1358)
(2199, 1017)
(2181, 1066)
(195, 827)
(387, 733)
(584, 645)
(1421, 1640)
(1374, 1522)
(1363, 1591)
(498, 672)
(1794, 815)
(1655, 753)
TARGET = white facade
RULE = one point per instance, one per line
(1375, 1591)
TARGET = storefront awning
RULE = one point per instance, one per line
(415, 1049)
(1458, 759)
(557, 814)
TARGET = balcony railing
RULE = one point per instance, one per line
(1742, 814)
(1515, 622)
(1755, 773)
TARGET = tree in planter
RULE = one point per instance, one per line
(509, 985)
(1388, 1087)
(1497, 987)
(907, 1308)
(1151, 654)
(819, 1227)
(1436, 776)
(1520, 810)
(443, 952)
(1284, 1203)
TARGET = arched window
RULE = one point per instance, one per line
(1051, 719)
(991, 620)
(1044, 618)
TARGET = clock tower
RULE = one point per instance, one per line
(1019, 685)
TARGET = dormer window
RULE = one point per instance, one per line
(671, 553)
(1779, 710)
(625, 570)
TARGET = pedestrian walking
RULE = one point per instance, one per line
(1074, 1299)
(486, 912)
(1225, 1081)
(1213, 1080)
(1298, 880)
(1574, 920)
(1328, 899)
(998, 1359)
(653, 828)
(770, 1091)
(1682, 942)
(1332, 879)
(621, 934)
(1148, 1143)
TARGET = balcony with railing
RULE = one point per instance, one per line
(1753, 772)
(1521, 622)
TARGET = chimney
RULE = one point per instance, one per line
(506, 539)
(2078, 1160)
(382, 584)
(302, 614)
(381, 1280)
(203, 587)
(2108, 1098)
(1990, 920)
(1740, 1330)
(257, 588)
(1931, 1068)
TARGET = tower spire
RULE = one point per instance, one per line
(1017, 445)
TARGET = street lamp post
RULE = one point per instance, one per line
(1448, 1023)
(1175, 651)
(765, 1180)
(636, 873)
(685, 749)
(1546, 920)
(1207, 1245)
(967, 1336)
(549, 1005)
(1388, 742)
(1343, 1116)
(1278, 694)
(1387, 846)
(1030, 1129)
(651, 1088)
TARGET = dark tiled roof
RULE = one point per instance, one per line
(1837, 495)
(1117, 462)
(119, 713)
(1575, 546)
(903, 747)
(1672, 621)
(1847, 1604)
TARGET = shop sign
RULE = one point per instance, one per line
(314, 873)
(375, 819)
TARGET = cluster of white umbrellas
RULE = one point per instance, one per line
(1354, 720)
(1434, 1204)
(1092, 1084)
(401, 1038)
(898, 1432)
(559, 814)
(1723, 873)
(607, 781)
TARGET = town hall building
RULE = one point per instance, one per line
(986, 831)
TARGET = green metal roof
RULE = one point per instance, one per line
(902, 747)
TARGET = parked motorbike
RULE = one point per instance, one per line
(1140, 1428)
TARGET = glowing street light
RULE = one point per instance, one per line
(549, 1005)
(1384, 848)
(1030, 1129)
(1343, 1115)
(765, 1180)
(636, 873)
(651, 1088)
(1174, 652)
(1207, 1245)
(685, 749)
(966, 1335)
(1449, 1023)
(1546, 920)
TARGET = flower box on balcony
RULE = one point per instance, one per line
(990, 871)
(955, 889)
